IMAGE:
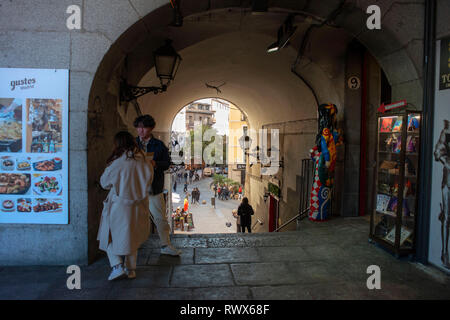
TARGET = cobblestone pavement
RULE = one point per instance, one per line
(207, 219)
(320, 261)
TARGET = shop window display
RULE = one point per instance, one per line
(393, 221)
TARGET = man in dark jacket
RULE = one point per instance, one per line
(245, 211)
(159, 155)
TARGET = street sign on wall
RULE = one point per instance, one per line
(444, 69)
(383, 108)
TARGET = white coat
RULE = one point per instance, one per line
(125, 216)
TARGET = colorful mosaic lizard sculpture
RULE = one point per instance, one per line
(324, 156)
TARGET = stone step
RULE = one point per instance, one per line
(228, 240)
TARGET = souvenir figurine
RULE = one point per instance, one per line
(397, 125)
(413, 123)
(386, 125)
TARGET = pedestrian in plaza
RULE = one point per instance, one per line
(159, 155)
(238, 220)
(193, 196)
(191, 176)
(240, 192)
(215, 191)
(125, 220)
(185, 189)
(245, 211)
(185, 177)
(198, 195)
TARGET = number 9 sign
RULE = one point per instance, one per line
(354, 83)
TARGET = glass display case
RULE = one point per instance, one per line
(393, 220)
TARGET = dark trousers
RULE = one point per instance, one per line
(248, 228)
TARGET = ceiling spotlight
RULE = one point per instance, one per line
(285, 33)
(273, 47)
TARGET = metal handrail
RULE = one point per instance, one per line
(257, 222)
(291, 220)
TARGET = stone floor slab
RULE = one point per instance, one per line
(193, 276)
(225, 255)
(150, 277)
(186, 257)
(277, 254)
(271, 273)
(326, 252)
(321, 261)
(313, 272)
(23, 291)
(290, 292)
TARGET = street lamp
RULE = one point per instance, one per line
(166, 61)
(245, 142)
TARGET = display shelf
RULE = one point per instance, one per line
(393, 219)
(398, 174)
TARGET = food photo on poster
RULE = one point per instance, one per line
(23, 164)
(10, 125)
(44, 122)
(43, 205)
(47, 184)
(48, 164)
(24, 204)
(13, 183)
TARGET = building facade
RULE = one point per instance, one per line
(199, 114)
(236, 153)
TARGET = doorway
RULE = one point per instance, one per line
(273, 213)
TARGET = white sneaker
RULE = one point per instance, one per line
(118, 272)
(171, 251)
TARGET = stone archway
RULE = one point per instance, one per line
(129, 53)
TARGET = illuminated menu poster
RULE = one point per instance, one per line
(34, 146)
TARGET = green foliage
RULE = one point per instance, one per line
(218, 179)
(203, 129)
(273, 189)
